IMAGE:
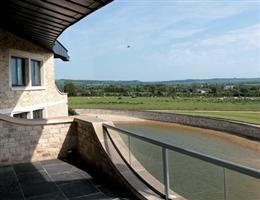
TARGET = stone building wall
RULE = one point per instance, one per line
(27, 99)
(32, 140)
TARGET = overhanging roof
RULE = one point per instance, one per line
(42, 21)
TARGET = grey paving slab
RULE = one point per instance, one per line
(78, 188)
(113, 193)
(70, 176)
(59, 168)
(11, 196)
(51, 162)
(53, 196)
(9, 185)
(33, 177)
(96, 196)
(6, 171)
(50, 180)
(36, 189)
(27, 167)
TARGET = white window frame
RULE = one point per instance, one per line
(28, 56)
(30, 111)
(14, 113)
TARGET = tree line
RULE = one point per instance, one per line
(161, 90)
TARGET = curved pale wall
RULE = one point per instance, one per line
(238, 128)
(27, 99)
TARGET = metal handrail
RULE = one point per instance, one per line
(165, 147)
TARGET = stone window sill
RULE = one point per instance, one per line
(31, 88)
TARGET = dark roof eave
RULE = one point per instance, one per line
(43, 21)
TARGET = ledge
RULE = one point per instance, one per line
(33, 122)
(112, 162)
(245, 130)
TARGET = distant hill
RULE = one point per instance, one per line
(61, 82)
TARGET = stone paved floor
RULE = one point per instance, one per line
(51, 180)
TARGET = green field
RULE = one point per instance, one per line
(178, 105)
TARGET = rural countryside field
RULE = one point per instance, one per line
(239, 109)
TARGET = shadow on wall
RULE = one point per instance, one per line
(17, 96)
(23, 140)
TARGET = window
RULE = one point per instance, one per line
(23, 115)
(18, 71)
(26, 71)
(37, 114)
(36, 72)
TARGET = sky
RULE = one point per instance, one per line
(169, 40)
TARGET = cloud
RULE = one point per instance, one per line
(175, 37)
(246, 37)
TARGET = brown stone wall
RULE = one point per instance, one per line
(228, 126)
(90, 149)
(28, 140)
(97, 150)
(21, 99)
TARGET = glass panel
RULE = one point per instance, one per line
(241, 186)
(32, 73)
(14, 73)
(18, 72)
(36, 73)
(150, 156)
(23, 115)
(122, 143)
(195, 179)
(37, 114)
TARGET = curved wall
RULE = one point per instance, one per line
(23, 140)
(237, 128)
(26, 99)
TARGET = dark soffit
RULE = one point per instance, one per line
(42, 21)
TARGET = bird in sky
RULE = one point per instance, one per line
(128, 46)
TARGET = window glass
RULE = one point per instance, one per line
(23, 115)
(37, 114)
(18, 71)
(36, 72)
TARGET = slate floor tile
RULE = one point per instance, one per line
(111, 192)
(51, 162)
(27, 167)
(59, 168)
(50, 180)
(6, 171)
(34, 177)
(10, 188)
(36, 189)
(96, 196)
(66, 177)
(12, 196)
(78, 188)
(53, 196)
(9, 184)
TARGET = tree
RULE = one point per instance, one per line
(172, 92)
(151, 89)
(70, 88)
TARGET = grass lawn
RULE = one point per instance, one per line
(178, 105)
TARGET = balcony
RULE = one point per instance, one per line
(52, 179)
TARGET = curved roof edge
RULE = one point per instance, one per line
(43, 21)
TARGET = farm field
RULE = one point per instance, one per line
(246, 109)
